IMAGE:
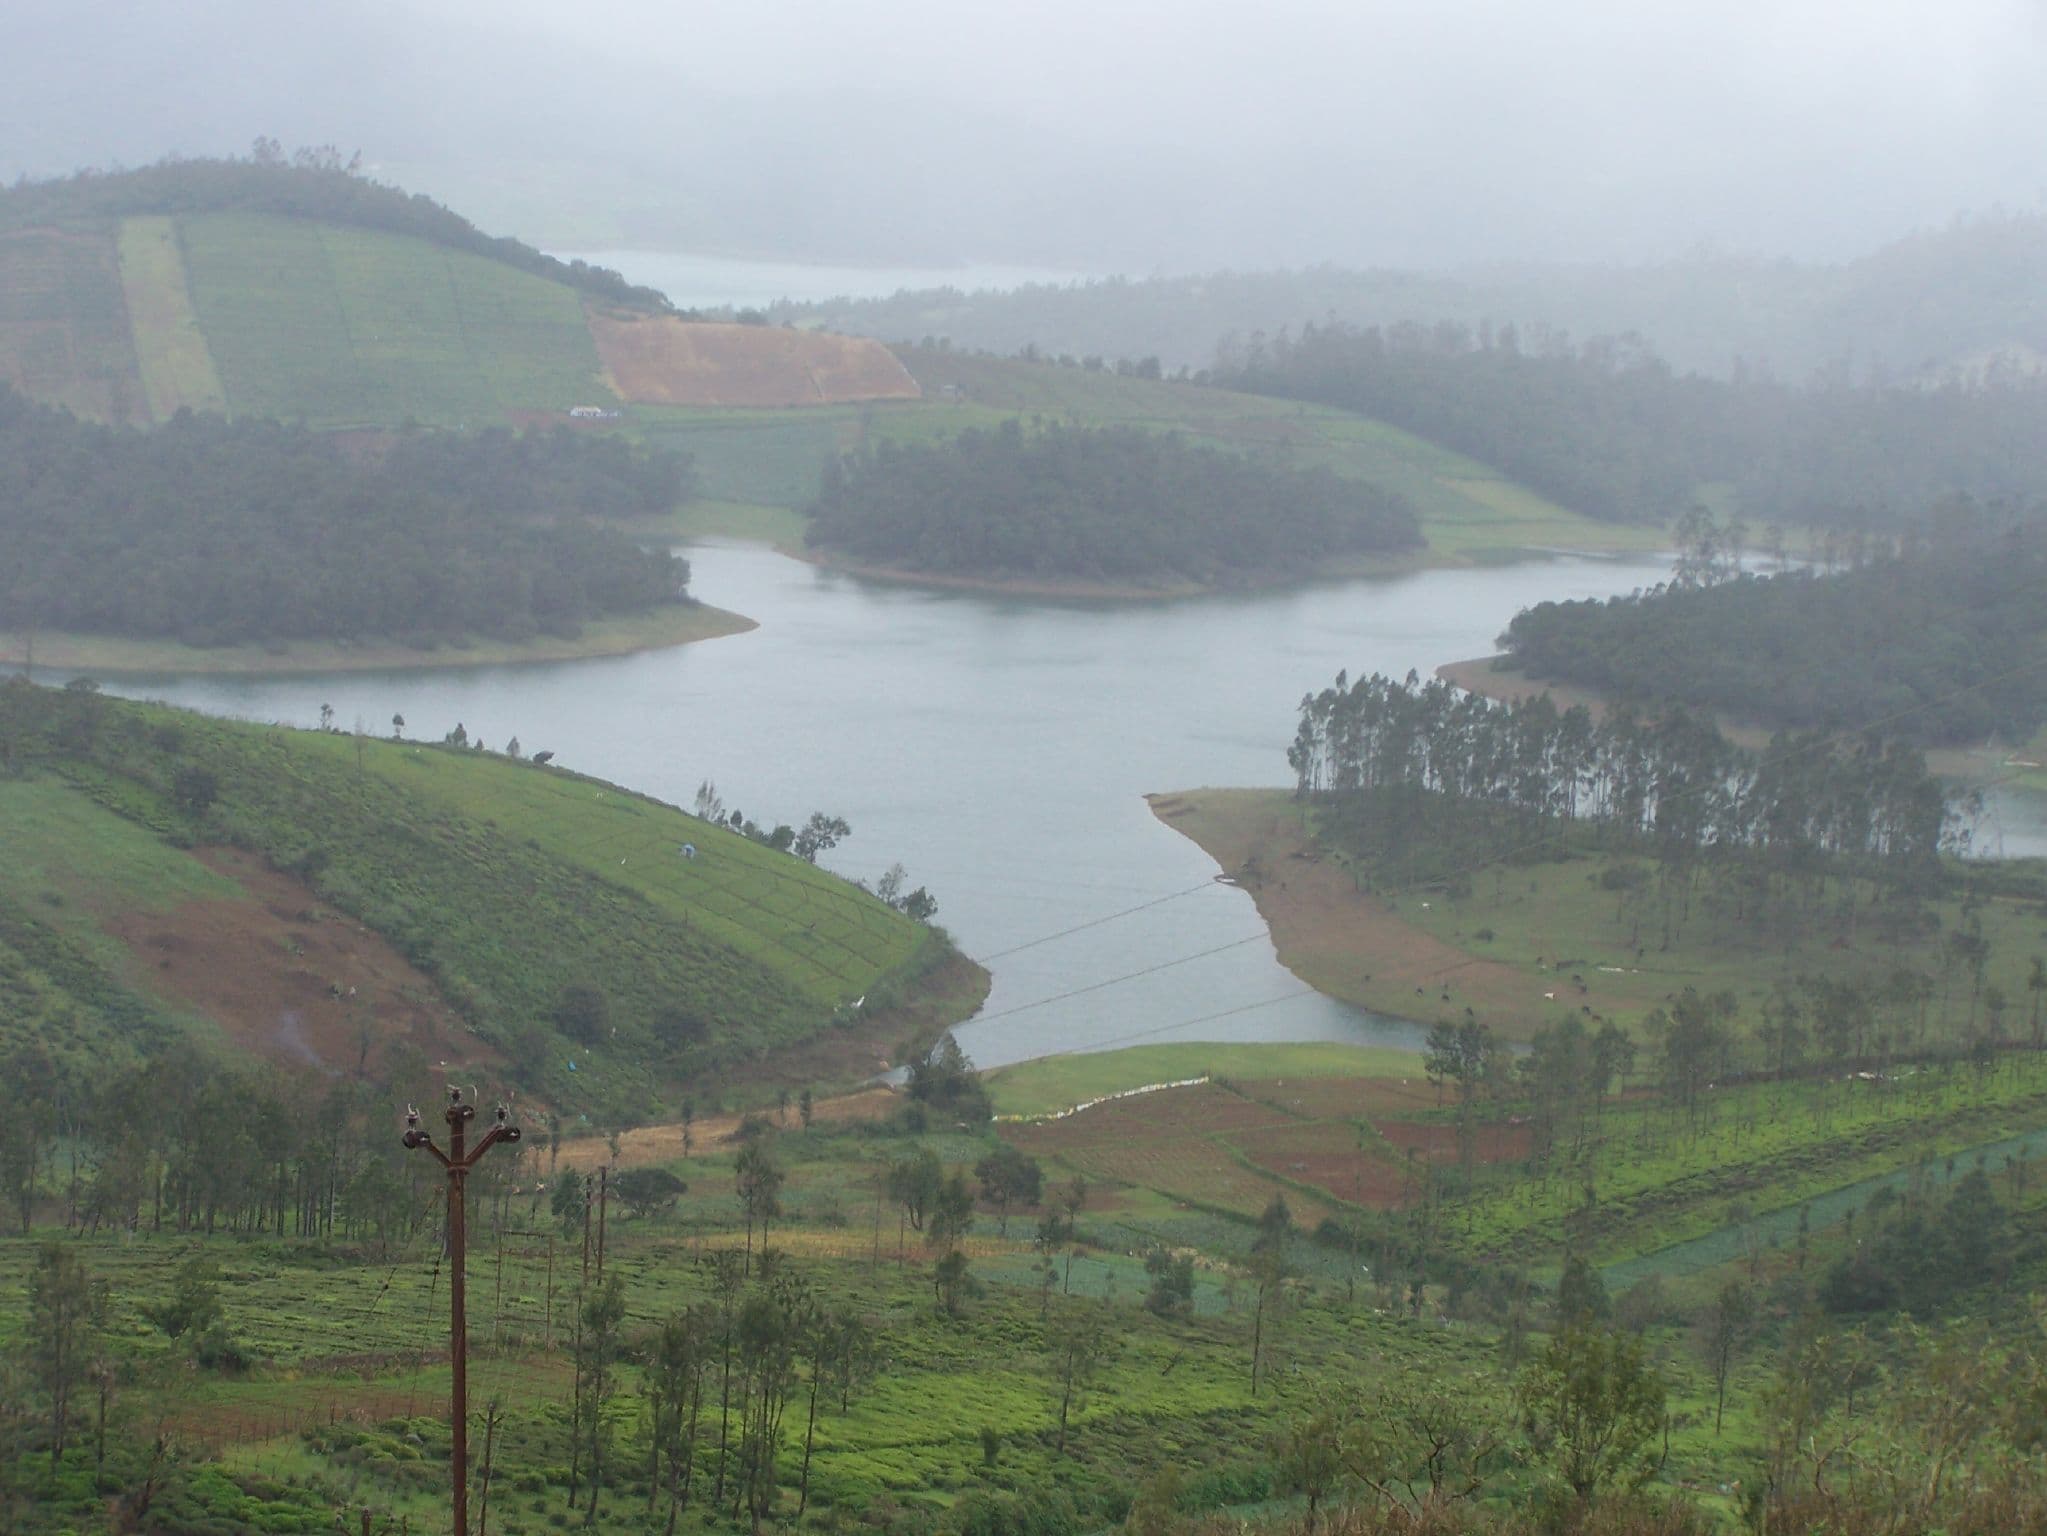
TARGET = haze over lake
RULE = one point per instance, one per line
(1000, 749)
(694, 281)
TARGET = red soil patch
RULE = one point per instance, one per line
(1326, 1155)
(1492, 1142)
(1169, 1114)
(288, 978)
(1325, 1098)
(654, 1144)
(661, 360)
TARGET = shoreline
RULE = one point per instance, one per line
(120, 656)
(1073, 589)
(1346, 944)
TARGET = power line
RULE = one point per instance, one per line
(1096, 922)
(1113, 981)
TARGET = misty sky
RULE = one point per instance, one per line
(1137, 136)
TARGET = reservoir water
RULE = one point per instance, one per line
(999, 749)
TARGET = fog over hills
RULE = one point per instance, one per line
(1143, 138)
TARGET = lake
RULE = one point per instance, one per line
(1000, 749)
(713, 282)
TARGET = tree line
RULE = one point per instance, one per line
(1941, 634)
(1607, 428)
(214, 532)
(1422, 783)
(1098, 504)
(313, 182)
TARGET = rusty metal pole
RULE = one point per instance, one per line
(458, 1162)
(458, 1307)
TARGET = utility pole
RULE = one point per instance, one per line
(589, 1199)
(458, 1163)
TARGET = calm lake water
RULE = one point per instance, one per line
(1000, 750)
(711, 282)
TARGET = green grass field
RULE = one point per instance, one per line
(1052, 1084)
(170, 348)
(352, 328)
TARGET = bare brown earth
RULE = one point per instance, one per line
(1349, 944)
(655, 1144)
(661, 360)
(290, 979)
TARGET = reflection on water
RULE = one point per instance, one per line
(1000, 749)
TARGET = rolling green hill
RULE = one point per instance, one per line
(332, 901)
(305, 292)
(760, 459)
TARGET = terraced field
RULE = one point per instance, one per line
(64, 334)
(345, 327)
(828, 938)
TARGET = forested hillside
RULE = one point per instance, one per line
(1943, 638)
(1099, 504)
(211, 532)
(554, 919)
(1609, 429)
(1937, 300)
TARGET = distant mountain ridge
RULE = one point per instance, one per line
(1918, 307)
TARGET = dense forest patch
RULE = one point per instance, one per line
(212, 532)
(1945, 639)
(1099, 504)
(1610, 430)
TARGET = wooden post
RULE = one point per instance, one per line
(458, 1164)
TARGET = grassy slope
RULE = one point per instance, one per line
(503, 882)
(349, 327)
(70, 863)
(170, 348)
(1469, 513)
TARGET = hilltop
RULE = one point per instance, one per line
(385, 908)
(304, 291)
